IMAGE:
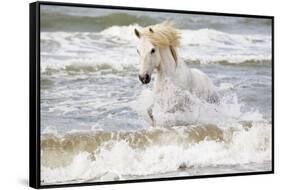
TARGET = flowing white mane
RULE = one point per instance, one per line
(163, 35)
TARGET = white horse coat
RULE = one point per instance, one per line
(157, 51)
(193, 80)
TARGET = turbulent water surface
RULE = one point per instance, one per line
(94, 125)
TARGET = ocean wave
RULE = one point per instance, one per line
(209, 45)
(196, 134)
(204, 46)
(73, 142)
(77, 68)
(210, 136)
(102, 155)
(60, 22)
(89, 19)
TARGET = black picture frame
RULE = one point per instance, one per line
(34, 93)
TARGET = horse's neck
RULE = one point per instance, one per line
(167, 68)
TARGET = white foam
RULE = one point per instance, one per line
(50, 130)
(175, 106)
(208, 45)
(121, 34)
(142, 103)
(117, 159)
(115, 46)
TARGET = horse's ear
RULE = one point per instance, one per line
(150, 29)
(137, 33)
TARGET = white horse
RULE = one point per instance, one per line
(157, 51)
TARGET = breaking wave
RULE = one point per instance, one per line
(109, 156)
(60, 22)
(193, 136)
(209, 136)
(82, 50)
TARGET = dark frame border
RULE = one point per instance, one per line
(34, 93)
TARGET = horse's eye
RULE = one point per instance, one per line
(138, 51)
(152, 51)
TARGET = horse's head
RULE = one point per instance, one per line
(149, 57)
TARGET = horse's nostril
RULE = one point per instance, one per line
(147, 78)
(144, 79)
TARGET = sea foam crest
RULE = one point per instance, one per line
(117, 44)
(117, 160)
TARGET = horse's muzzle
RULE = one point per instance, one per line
(145, 79)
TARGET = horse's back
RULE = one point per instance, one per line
(203, 86)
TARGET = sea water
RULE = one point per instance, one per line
(94, 123)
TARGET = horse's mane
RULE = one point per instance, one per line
(163, 35)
